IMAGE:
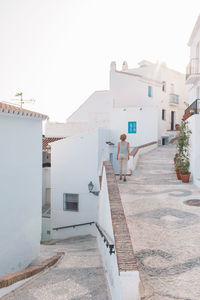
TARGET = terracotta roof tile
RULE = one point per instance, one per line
(11, 109)
(47, 140)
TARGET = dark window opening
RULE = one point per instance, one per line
(70, 202)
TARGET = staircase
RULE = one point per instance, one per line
(78, 276)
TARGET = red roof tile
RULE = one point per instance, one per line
(11, 109)
(46, 141)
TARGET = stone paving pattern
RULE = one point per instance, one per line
(165, 232)
(78, 276)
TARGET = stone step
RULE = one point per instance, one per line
(79, 275)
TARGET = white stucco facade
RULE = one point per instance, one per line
(76, 162)
(193, 84)
(150, 86)
(21, 190)
(122, 285)
(167, 94)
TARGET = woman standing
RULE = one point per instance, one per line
(123, 156)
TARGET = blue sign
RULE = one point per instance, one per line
(132, 127)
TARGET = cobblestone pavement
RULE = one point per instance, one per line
(165, 232)
(78, 276)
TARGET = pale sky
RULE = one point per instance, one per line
(59, 51)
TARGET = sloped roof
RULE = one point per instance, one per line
(47, 140)
(15, 110)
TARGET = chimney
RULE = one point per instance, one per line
(124, 66)
(113, 66)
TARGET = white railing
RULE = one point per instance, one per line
(193, 68)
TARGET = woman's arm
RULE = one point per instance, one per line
(128, 150)
(118, 151)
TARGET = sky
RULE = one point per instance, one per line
(58, 52)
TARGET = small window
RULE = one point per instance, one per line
(172, 88)
(149, 91)
(70, 202)
(163, 114)
(164, 86)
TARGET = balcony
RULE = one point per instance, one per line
(173, 99)
(193, 109)
(193, 70)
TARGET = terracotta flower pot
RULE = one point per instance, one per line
(185, 177)
(178, 175)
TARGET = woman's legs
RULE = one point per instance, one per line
(120, 166)
(125, 162)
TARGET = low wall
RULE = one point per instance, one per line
(121, 268)
(137, 151)
(194, 124)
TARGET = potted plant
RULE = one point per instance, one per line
(183, 146)
(175, 158)
(184, 172)
(178, 166)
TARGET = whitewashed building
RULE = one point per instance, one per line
(76, 161)
(145, 103)
(151, 86)
(148, 87)
(21, 186)
(193, 82)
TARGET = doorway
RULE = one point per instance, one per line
(172, 119)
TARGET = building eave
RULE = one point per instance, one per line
(195, 29)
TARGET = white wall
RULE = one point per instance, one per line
(194, 123)
(21, 191)
(54, 129)
(132, 91)
(95, 110)
(75, 162)
(147, 125)
(46, 182)
(123, 286)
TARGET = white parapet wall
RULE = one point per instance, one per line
(121, 270)
(194, 124)
(132, 163)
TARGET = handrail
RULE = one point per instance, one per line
(73, 226)
(193, 109)
(107, 239)
(136, 149)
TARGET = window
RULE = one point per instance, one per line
(172, 88)
(149, 91)
(132, 127)
(70, 202)
(163, 114)
(164, 86)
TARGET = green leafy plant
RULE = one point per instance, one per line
(183, 147)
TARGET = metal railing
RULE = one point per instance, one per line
(73, 226)
(104, 235)
(173, 98)
(193, 109)
(106, 238)
(193, 68)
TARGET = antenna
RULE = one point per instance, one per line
(22, 101)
